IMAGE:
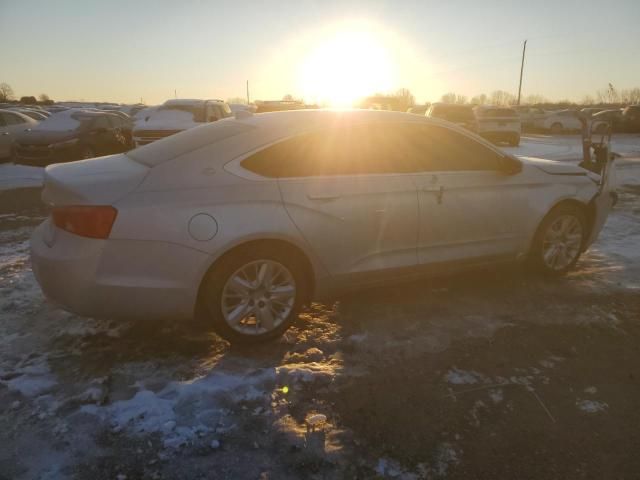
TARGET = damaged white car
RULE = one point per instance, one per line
(242, 221)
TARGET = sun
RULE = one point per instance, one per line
(345, 65)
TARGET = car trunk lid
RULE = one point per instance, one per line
(97, 181)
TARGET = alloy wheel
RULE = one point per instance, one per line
(562, 242)
(258, 297)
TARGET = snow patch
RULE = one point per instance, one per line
(592, 406)
(456, 376)
(20, 176)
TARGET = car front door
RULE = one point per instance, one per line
(351, 197)
(470, 208)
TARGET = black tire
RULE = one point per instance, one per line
(210, 294)
(536, 259)
(514, 141)
(556, 128)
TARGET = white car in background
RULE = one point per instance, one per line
(530, 116)
(498, 124)
(176, 115)
(240, 222)
(11, 124)
(561, 121)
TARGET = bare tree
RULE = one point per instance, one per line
(500, 97)
(453, 98)
(479, 99)
(43, 97)
(534, 99)
(6, 92)
(405, 99)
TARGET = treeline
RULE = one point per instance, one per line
(605, 96)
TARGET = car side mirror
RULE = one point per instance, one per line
(510, 165)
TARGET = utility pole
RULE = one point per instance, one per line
(524, 49)
(175, 93)
(248, 101)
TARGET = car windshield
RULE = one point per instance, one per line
(67, 120)
(198, 111)
(171, 147)
(453, 113)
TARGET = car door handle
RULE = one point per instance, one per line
(323, 196)
(5, 133)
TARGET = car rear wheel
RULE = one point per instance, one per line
(559, 240)
(253, 295)
(556, 128)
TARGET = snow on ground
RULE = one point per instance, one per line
(81, 393)
(19, 176)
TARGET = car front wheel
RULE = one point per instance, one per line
(253, 295)
(559, 240)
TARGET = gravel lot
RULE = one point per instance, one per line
(490, 374)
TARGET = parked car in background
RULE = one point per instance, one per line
(631, 116)
(280, 219)
(602, 120)
(419, 109)
(242, 107)
(589, 111)
(35, 114)
(529, 116)
(561, 121)
(266, 106)
(174, 116)
(498, 124)
(461, 115)
(72, 135)
(12, 123)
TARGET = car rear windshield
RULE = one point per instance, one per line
(497, 112)
(171, 147)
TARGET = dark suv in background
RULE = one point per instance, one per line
(461, 115)
(74, 135)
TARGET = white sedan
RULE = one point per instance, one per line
(561, 121)
(242, 221)
(11, 124)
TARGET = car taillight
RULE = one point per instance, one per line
(86, 221)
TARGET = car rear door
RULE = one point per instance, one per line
(348, 192)
(470, 208)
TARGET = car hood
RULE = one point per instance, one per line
(45, 137)
(554, 167)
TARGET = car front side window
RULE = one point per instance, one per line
(448, 150)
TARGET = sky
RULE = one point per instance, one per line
(319, 50)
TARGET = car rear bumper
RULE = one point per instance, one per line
(118, 279)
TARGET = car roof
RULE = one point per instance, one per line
(190, 101)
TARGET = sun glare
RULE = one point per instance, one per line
(344, 66)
